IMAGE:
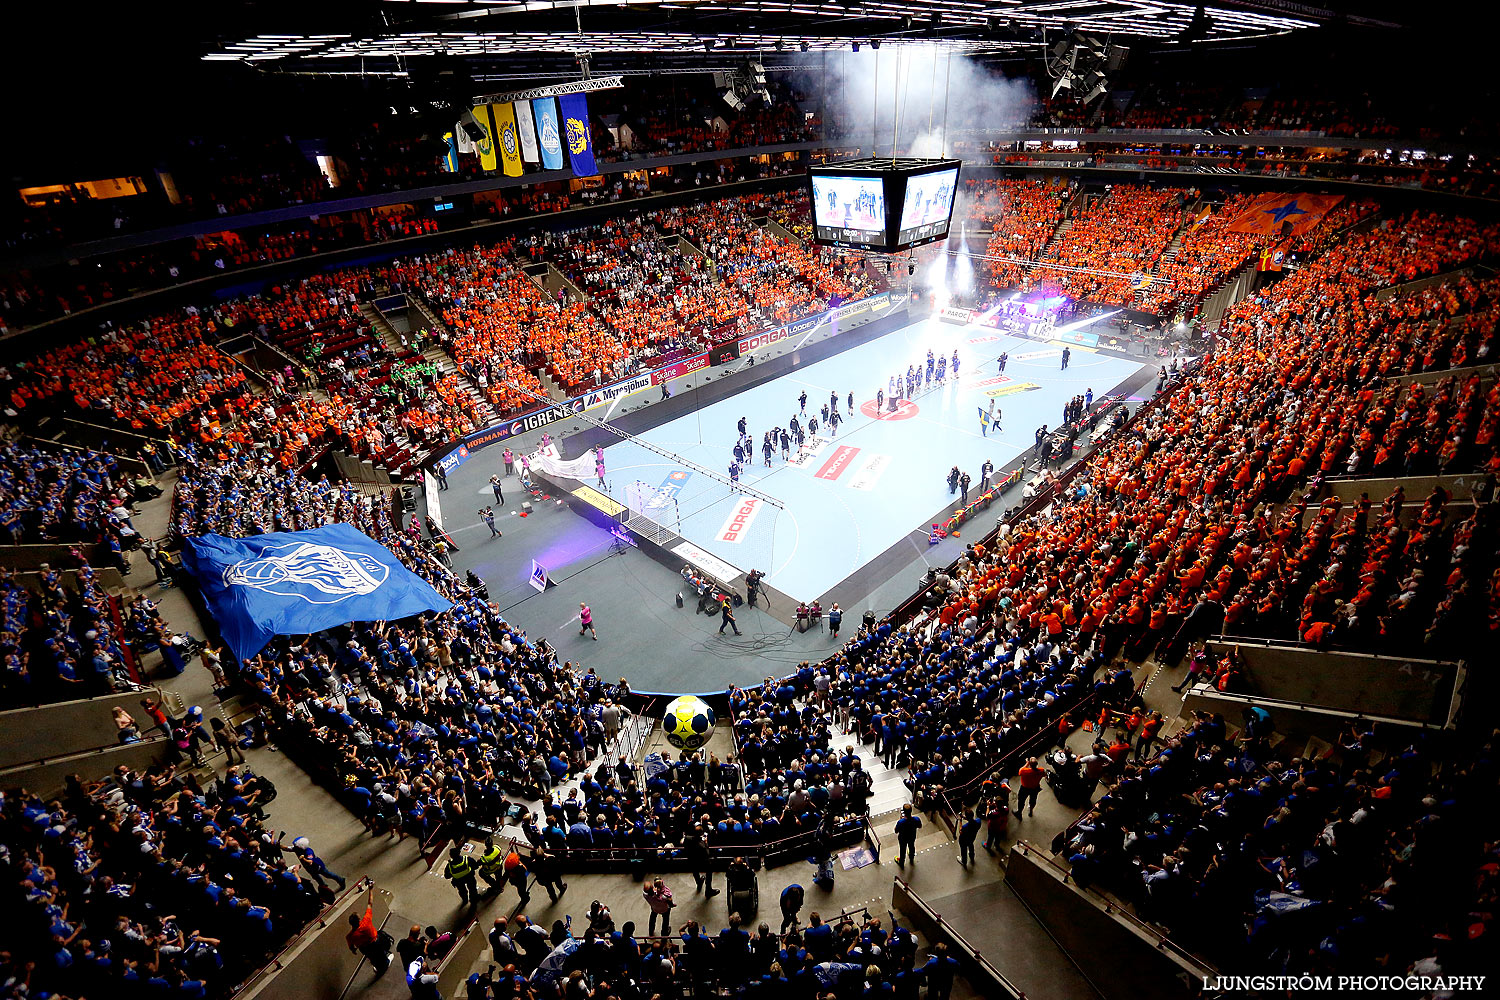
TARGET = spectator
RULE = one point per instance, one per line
(659, 899)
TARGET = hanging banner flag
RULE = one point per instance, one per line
(526, 126)
(507, 139)
(465, 144)
(485, 144)
(575, 122)
(548, 133)
(1270, 213)
(450, 156)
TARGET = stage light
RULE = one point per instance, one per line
(805, 46)
(780, 44)
(856, 46)
(911, 269)
(708, 45)
(875, 43)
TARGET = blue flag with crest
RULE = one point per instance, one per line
(576, 133)
(296, 582)
(548, 132)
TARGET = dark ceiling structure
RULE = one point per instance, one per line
(504, 38)
(123, 90)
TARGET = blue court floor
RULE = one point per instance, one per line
(851, 497)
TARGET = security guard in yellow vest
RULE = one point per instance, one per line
(492, 866)
(460, 871)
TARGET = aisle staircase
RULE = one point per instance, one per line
(887, 791)
(1167, 256)
(550, 386)
(1049, 249)
(433, 353)
(382, 328)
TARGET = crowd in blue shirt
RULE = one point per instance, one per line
(949, 701)
(60, 495)
(852, 957)
(1374, 856)
(146, 884)
(58, 641)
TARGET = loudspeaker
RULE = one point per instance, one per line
(473, 130)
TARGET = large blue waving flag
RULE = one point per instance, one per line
(295, 582)
(548, 132)
(576, 133)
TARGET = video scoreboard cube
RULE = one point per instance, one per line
(882, 205)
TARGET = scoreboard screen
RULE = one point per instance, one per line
(882, 205)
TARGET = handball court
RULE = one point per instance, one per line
(880, 481)
(854, 531)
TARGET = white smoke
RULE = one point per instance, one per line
(963, 264)
(910, 99)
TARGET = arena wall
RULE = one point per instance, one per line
(1359, 683)
(1123, 957)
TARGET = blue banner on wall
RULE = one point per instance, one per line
(548, 132)
(575, 123)
(296, 582)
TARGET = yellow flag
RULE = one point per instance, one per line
(507, 138)
(485, 144)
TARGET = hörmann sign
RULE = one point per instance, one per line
(500, 432)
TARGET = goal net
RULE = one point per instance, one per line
(722, 531)
(651, 505)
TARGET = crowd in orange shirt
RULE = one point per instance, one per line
(1123, 233)
(1022, 215)
(1183, 507)
(166, 376)
(498, 314)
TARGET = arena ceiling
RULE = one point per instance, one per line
(477, 31)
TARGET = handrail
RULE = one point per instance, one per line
(29, 705)
(634, 737)
(441, 965)
(717, 852)
(1026, 749)
(113, 430)
(83, 754)
(964, 945)
(1250, 699)
(1298, 646)
(1114, 908)
(872, 837)
(316, 923)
